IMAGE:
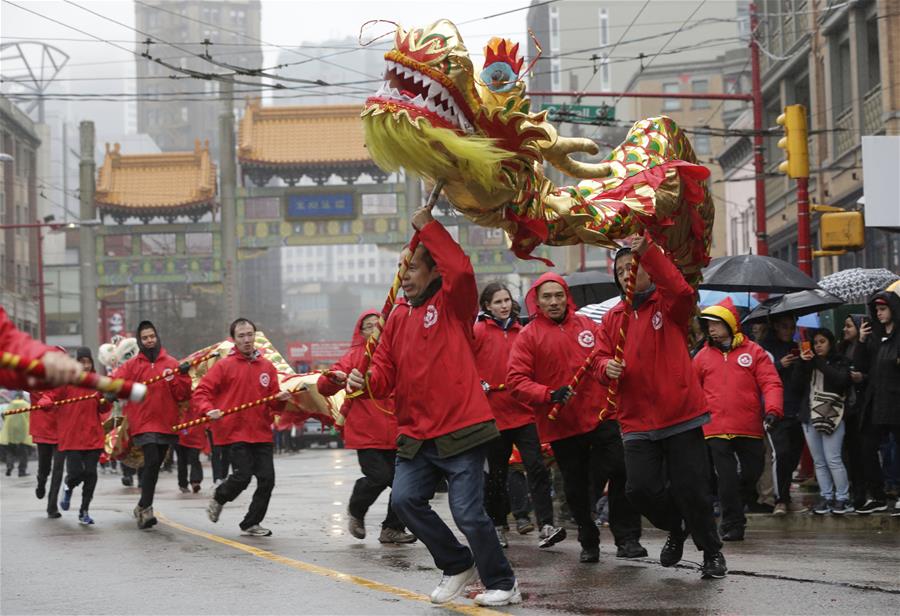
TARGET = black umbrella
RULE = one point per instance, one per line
(590, 287)
(797, 304)
(750, 273)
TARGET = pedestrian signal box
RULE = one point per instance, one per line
(842, 231)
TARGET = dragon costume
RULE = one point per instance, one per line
(436, 118)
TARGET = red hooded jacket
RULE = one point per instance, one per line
(492, 349)
(23, 345)
(658, 388)
(233, 381)
(370, 424)
(735, 380)
(78, 423)
(158, 412)
(545, 357)
(425, 354)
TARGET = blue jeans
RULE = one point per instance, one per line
(414, 484)
(826, 455)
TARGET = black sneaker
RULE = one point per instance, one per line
(673, 550)
(589, 555)
(733, 534)
(631, 549)
(54, 515)
(823, 507)
(713, 566)
(127, 481)
(871, 506)
(40, 490)
(524, 526)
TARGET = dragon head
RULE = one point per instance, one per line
(436, 118)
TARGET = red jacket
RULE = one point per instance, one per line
(78, 423)
(545, 357)
(492, 349)
(233, 381)
(658, 388)
(370, 424)
(21, 344)
(735, 381)
(425, 354)
(159, 410)
(42, 424)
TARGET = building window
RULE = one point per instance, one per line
(184, 113)
(843, 76)
(700, 86)
(555, 62)
(198, 243)
(702, 145)
(873, 60)
(671, 104)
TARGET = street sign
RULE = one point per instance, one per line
(579, 114)
(328, 350)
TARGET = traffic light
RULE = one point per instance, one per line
(842, 231)
(794, 142)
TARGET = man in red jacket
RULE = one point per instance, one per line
(661, 406)
(545, 357)
(61, 369)
(496, 331)
(735, 374)
(150, 421)
(370, 429)
(80, 437)
(244, 375)
(425, 359)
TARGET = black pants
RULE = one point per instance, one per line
(219, 459)
(17, 452)
(519, 498)
(50, 464)
(872, 437)
(668, 482)
(377, 466)
(249, 460)
(736, 489)
(582, 459)
(787, 447)
(154, 454)
(81, 467)
(188, 458)
(496, 493)
(854, 459)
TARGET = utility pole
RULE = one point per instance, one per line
(759, 168)
(90, 334)
(228, 183)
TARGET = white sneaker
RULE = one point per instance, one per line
(257, 531)
(496, 597)
(452, 586)
(896, 511)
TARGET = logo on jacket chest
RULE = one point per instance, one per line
(431, 316)
(656, 321)
(264, 379)
(586, 339)
(745, 360)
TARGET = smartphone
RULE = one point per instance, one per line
(805, 346)
(795, 352)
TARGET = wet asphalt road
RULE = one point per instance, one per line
(188, 565)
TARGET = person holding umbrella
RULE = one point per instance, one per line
(878, 356)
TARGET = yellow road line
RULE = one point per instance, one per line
(474, 610)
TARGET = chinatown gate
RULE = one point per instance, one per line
(164, 260)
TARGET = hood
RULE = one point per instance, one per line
(85, 353)
(725, 312)
(151, 354)
(531, 303)
(358, 337)
(893, 301)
